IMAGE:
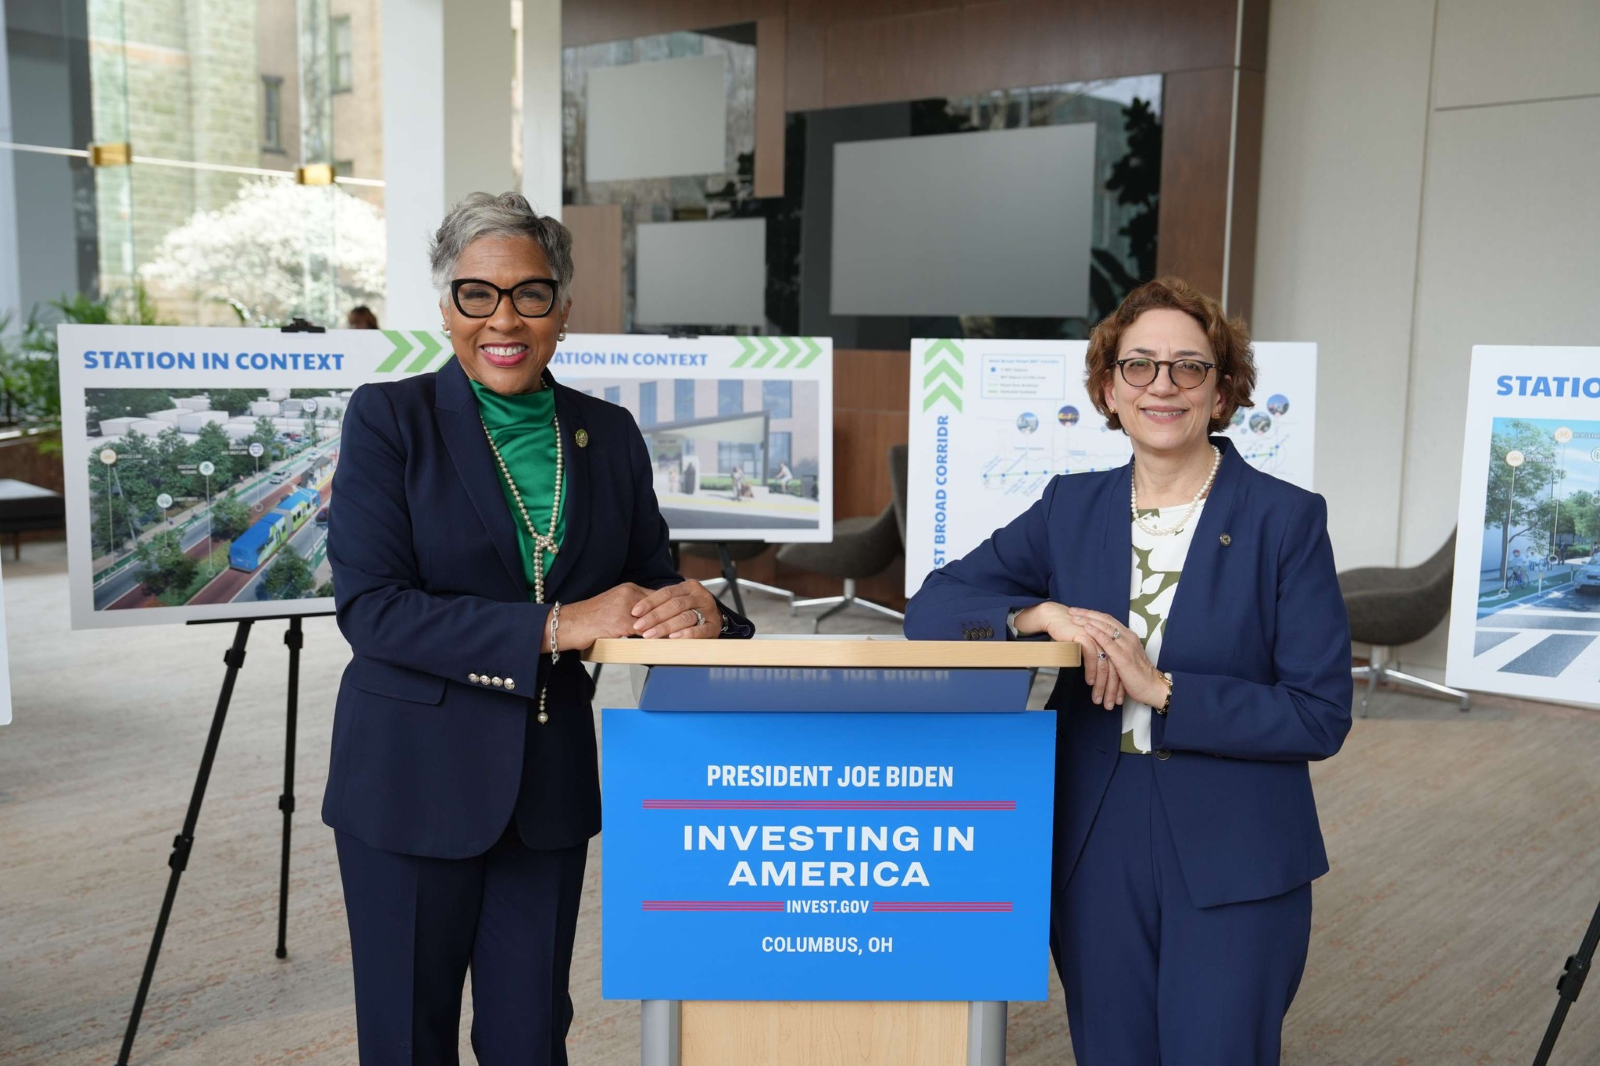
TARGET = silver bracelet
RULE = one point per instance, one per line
(555, 624)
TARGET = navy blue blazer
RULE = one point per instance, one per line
(1258, 645)
(430, 591)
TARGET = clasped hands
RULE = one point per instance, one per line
(1114, 662)
(630, 610)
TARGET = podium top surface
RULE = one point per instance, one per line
(803, 652)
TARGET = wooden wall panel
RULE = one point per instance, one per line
(1253, 35)
(597, 267)
(824, 1034)
(804, 66)
(1196, 114)
(771, 86)
(598, 21)
(1246, 194)
(871, 396)
(1006, 44)
(901, 58)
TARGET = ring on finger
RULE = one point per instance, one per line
(1116, 634)
(699, 619)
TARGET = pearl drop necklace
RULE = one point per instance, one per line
(1149, 526)
(542, 542)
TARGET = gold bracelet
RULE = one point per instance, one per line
(1166, 703)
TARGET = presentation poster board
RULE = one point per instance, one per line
(992, 421)
(199, 462)
(853, 856)
(1525, 607)
(740, 429)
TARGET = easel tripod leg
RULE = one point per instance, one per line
(184, 841)
(730, 574)
(1569, 986)
(295, 639)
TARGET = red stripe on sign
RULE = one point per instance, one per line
(708, 905)
(829, 805)
(996, 907)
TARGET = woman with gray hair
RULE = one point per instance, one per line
(492, 524)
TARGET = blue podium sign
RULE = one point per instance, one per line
(827, 856)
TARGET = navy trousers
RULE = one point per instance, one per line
(416, 926)
(1149, 977)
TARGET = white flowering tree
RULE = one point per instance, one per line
(277, 251)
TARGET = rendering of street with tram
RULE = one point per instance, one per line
(217, 497)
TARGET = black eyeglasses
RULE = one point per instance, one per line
(475, 298)
(1184, 373)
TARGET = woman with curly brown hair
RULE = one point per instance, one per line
(1216, 666)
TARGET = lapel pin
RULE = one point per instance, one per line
(582, 437)
(1226, 540)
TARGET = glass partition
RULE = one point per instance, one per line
(221, 103)
(1108, 204)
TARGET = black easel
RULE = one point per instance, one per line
(184, 841)
(1569, 986)
(730, 574)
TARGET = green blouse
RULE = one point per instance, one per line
(524, 430)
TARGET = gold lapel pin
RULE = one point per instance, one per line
(1226, 540)
(582, 437)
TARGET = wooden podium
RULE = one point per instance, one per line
(862, 675)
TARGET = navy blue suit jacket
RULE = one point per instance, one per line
(430, 589)
(1257, 642)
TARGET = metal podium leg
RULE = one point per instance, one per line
(986, 1033)
(661, 1032)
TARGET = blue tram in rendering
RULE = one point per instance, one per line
(258, 543)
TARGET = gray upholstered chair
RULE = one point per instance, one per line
(730, 554)
(861, 547)
(1391, 606)
(899, 481)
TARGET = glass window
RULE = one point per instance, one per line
(614, 394)
(271, 113)
(747, 457)
(777, 399)
(730, 398)
(647, 404)
(778, 446)
(343, 67)
(683, 400)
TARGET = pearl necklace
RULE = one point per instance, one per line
(1149, 526)
(542, 542)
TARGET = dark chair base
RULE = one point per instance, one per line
(1380, 671)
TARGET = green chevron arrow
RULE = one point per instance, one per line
(813, 349)
(793, 350)
(402, 348)
(947, 369)
(747, 349)
(944, 346)
(769, 350)
(430, 348)
(944, 391)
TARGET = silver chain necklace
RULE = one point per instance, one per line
(1150, 526)
(542, 542)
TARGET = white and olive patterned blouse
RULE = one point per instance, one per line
(1157, 565)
